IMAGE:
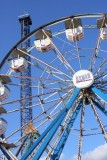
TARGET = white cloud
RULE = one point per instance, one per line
(62, 157)
(43, 158)
(99, 153)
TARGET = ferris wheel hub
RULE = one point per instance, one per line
(83, 79)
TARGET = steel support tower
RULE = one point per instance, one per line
(26, 113)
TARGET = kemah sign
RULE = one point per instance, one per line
(83, 79)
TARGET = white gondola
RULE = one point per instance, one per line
(19, 64)
(4, 92)
(43, 41)
(74, 34)
(102, 25)
(3, 126)
(103, 33)
(43, 45)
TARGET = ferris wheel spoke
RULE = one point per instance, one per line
(81, 132)
(100, 106)
(78, 53)
(101, 85)
(52, 73)
(35, 105)
(18, 100)
(99, 121)
(42, 62)
(95, 53)
(60, 55)
(22, 144)
(64, 41)
(97, 47)
(60, 145)
(45, 83)
(45, 101)
(51, 115)
(101, 75)
(36, 117)
(100, 67)
(99, 93)
(30, 78)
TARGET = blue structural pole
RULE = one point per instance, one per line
(49, 137)
(51, 128)
(26, 92)
(101, 108)
(99, 93)
(5, 153)
(62, 141)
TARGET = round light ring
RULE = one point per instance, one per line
(83, 79)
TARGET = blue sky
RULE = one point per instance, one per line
(41, 12)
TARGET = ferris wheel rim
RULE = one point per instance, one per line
(45, 25)
(71, 87)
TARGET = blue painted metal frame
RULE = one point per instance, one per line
(61, 144)
(51, 129)
(49, 137)
(99, 93)
(101, 108)
(25, 90)
(5, 153)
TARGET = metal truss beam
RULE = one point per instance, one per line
(5, 153)
(49, 132)
(62, 141)
(99, 121)
(26, 113)
(99, 93)
(49, 137)
(99, 106)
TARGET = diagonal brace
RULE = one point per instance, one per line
(52, 125)
(61, 144)
(5, 153)
(99, 106)
(99, 93)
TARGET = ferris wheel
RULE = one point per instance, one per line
(69, 87)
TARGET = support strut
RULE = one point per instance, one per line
(49, 132)
(99, 93)
(62, 141)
